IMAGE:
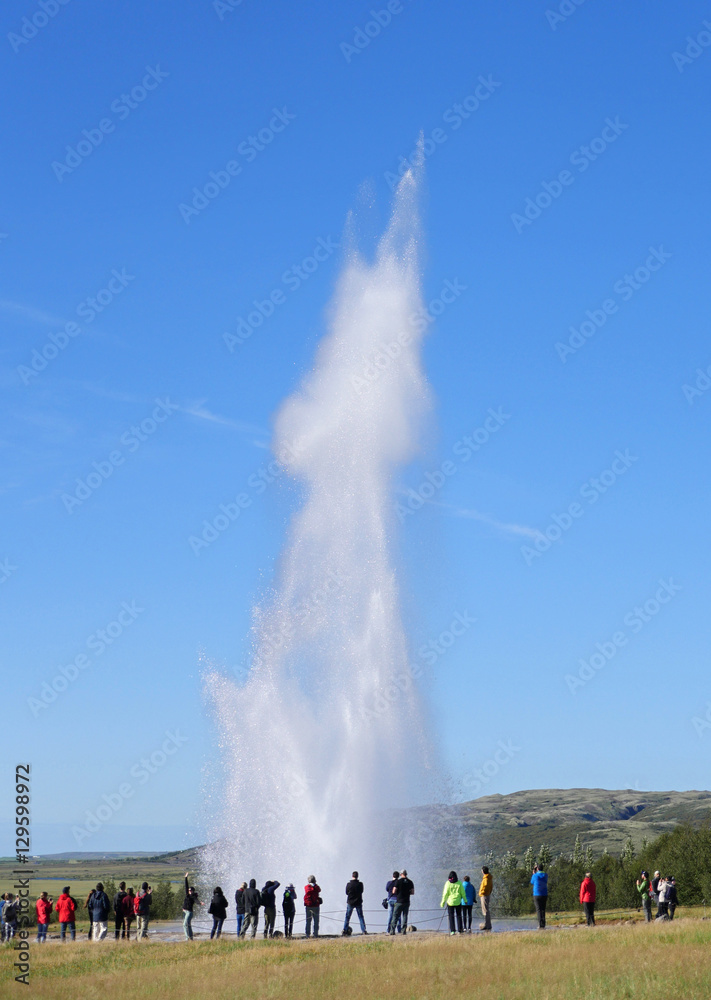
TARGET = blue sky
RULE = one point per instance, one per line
(590, 123)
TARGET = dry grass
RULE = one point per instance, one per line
(635, 962)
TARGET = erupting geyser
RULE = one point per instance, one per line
(325, 741)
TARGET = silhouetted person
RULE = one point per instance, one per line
(354, 901)
(43, 907)
(404, 890)
(99, 907)
(129, 911)
(218, 909)
(644, 888)
(119, 929)
(467, 904)
(252, 898)
(672, 900)
(390, 896)
(485, 890)
(288, 907)
(239, 903)
(66, 907)
(190, 901)
(269, 904)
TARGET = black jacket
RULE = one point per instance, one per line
(190, 899)
(218, 906)
(239, 900)
(288, 904)
(404, 888)
(672, 896)
(118, 902)
(354, 892)
(252, 901)
(269, 891)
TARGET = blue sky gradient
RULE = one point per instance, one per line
(595, 124)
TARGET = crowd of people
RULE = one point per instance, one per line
(458, 897)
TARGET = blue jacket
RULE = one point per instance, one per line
(539, 881)
(99, 906)
(468, 892)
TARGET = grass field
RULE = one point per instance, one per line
(624, 962)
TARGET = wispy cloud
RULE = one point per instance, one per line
(492, 522)
(199, 410)
(28, 313)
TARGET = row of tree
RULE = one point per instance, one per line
(684, 853)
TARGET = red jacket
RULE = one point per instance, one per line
(311, 894)
(587, 891)
(66, 908)
(44, 908)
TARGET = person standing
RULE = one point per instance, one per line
(3, 900)
(453, 894)
(87, 907)
(66, 908)
(588, 891)
(672, 900)
(539, 881)
(129, 911)
(239, 903)
(100, 907)
(43, 907)
(10, 914)
(467, 904)
(662, 899)
(120, 930)
(143, 910)
(288, 907)
(312, 904)
(404, 890)
(269, 904)
(391, 900)
(189, 901)
(485, 890)
(644, 888)
(354, 901)
(655, 889)
(252, 899)
(218, 909)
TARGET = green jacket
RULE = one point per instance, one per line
(453, 894)
(643, 888)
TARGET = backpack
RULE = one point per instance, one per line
(265, 898)
(136, 904)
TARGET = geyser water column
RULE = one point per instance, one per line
(325, 741)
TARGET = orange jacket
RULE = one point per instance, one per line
(487, 884)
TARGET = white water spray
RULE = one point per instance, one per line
(326, 741)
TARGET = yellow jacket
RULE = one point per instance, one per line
(487, 884)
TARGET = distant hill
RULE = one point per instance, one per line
(604, 820)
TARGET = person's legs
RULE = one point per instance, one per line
(468, 916)
(450, 914)
(395, 915)
(347, 921)
(540, 902)
(309, 913)
(100, 930)
(246, 924)
(62, 930)
(670, 910)
(129, 921)
(118, 925)
(459, 918)
(359, 911)
(41, 932)
(187, 929)
(214, 928)
(391, 913)
(317, 917)
(255, 923)
(486, 911)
